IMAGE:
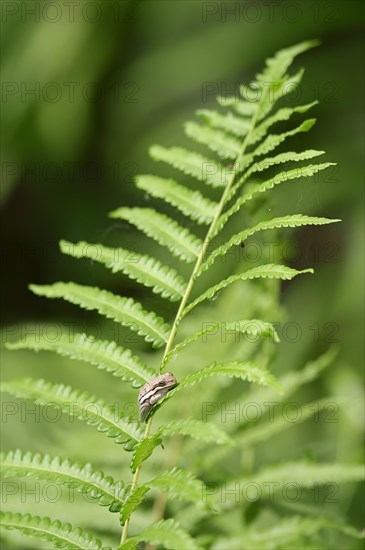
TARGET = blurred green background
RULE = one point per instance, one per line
(87, 88)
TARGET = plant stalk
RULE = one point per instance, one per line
(160, 505)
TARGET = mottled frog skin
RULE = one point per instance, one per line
(153, 391)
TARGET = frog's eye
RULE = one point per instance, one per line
(161, 384)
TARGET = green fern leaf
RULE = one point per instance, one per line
(234, 369)
(272, 141)
(229, 123)
(276, 67)
(287, 533)
(164, 230)
(191, 203)
(144, 269)
(292, 381)
(144, 449)
(295, 220)
(295, 173)
(254, 327)
(179, 484)
(300, 473)
(311, 371)
(193, 164)
(122, 310)
(243, 108)
(102, 490)
(267, 162)
(263, 431)
(307, 474)
(167, 533)
(275, 71)
(206, 432)
(105, 355)
(274, 91)
(280, 115)
(132, 502)
(61, 535)
(272, 84)
(271, 271)
(225, 146)
(92, 410)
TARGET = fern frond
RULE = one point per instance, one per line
(180, 484)
(307, 474)
(144, 269)
(311, 371)
(295, 220)
(281, 158)
(295, 173)
(272, 141)
(177, 483)
(274, 92)
(254, 327)
(102, 489)
(191, 203)
(300, 473)
(260, 97)
(167, 533)
(144, 449)
(61, 535)
(292, 381)
(122, 310)
(104, 354)
(206, 432)
(275, 71)
(191, 163)
(92, 410)
(286, 533)
(280, 115)
(234, 369)
(164, 230)
(228, 122)
(135, 498)
(271, 271)
(263, 431)
(226, 147)
(242, 107)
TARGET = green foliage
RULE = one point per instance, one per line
(88, 408)
(233, 369)
(103, 354)
(207, 432)
(61, 535)
(125, 311)
(103, 490)
(270, 271)
(241, 141)
(165, 532)
(164, 230)
(145, 270)
(254, 327)
(191, 203)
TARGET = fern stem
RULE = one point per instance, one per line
(134, 482)
(183, 303)
(204, 247)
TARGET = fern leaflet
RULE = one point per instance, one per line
(164, 230)
(125, 311)
(101, 489)
(62, 535)
(105, 355)
(92, 410)
(144, 269)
